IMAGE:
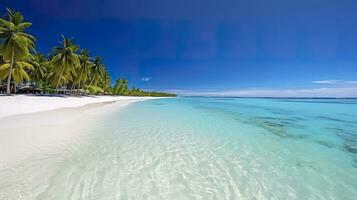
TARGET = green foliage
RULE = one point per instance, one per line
(97, 71)
(40, 69)
(63, 67)
(15, 47)
(46, 87)
(105, 81)
(142, 93)
(64, 62)
(95, 90)
(121, 88)
(83, 71)
(19, 71)
(14, 41)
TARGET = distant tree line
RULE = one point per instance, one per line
(121, 88)
(65, 68)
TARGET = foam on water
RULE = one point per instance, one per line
(203, 148)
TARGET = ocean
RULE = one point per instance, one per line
(213, 148)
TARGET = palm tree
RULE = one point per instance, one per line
(2, 61)
(40, 68)
(97, 72)
(18, 73)
(64, 62)
(83, 70)
(15, 45)
(121, 87)
(105, 83)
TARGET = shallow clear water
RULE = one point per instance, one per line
(212, 148)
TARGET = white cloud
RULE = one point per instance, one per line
(339, 92)
(335, 82)
(146, 79)
(327, 81)
(351, 82)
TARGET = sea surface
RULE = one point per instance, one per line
(208, 148)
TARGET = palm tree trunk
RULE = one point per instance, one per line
(73, 87)
(8, 91)
(79, 86)
(59, 80)
(14, 88)
(90, 84)
(79, 82)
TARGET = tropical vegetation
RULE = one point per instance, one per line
(66, 69)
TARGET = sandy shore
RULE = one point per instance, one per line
(32, 125)
(23, 104)
(34, 145)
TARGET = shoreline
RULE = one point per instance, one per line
(26, 104)
(49, 129)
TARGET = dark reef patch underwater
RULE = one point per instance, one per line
(201, 148)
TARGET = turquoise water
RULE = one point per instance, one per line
(215, 148)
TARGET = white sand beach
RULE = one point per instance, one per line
(36, 133)
(23, 104)
(32, 125)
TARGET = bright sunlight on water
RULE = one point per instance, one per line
(206, 148)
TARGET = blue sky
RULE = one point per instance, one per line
(211, 47)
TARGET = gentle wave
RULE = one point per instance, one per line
(199, 148)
